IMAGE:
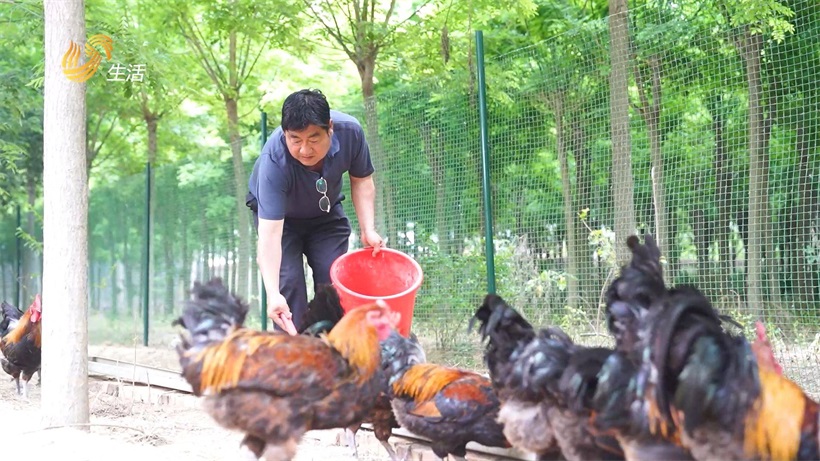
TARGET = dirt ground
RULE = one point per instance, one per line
(129, 426)
(136, 430)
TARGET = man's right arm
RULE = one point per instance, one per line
(269, 260)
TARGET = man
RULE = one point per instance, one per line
(296, 194)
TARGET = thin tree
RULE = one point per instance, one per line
(362, 29)
(65, 224)
(622, 182)
(228, 42)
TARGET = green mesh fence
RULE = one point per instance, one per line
(720, 162)
(722, 124)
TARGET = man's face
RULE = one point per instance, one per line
(310, 145)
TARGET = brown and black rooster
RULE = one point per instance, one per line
(21, 343)
(323, 313)
(449, 406)
(274, 387)
(725, 400)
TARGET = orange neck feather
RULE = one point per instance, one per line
(773, 430)
(25, 326)
(357, 342)
(222, 363)
(657, 422)
(424, 380)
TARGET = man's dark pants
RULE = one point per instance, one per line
(322, 240)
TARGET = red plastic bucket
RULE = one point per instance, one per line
(361, 278)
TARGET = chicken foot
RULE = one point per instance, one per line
(391, 452)
(252, 447)
(283, 452)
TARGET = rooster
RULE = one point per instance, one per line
(726, 401)
(523, 411)
(449, 406)
(274, 387)
(617, 403)
(21, 343)
(323, 313)
(542, 396)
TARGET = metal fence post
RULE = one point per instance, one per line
(263, 303)
(147, 256)
(485, 163)
(18, 286)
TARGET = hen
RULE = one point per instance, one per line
(274, 387)
(726, 402)
(449, 406)
(21, 343)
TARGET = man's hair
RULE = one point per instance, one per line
(304, 108)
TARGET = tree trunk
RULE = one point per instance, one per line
(64, 399)
(240, 179)
(170, 270)
(573, 252)
(187, 257)
(432, 149)
(230, 258)
(385, 212)
(722, 164)
(803, 276)
(151, 128)
(128, 276)
(588, 283)
(622, 182)
(206, 250)
(32, 274)
(758, 169)
(700, 229)
(651, 112)
(240, 190)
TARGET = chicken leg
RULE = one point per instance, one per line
(25, 377)
(15, 372)
(391, 452)
(351, 442)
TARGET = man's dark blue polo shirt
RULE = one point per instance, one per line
(284, 188)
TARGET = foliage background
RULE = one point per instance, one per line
(722, 112)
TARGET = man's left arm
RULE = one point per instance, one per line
(363, 191)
